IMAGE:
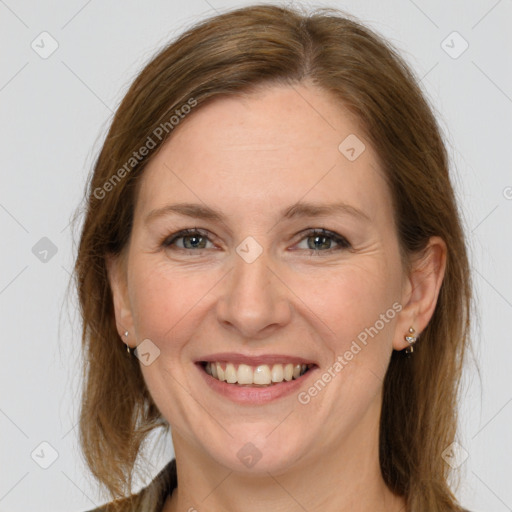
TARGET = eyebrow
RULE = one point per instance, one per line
(199, 211)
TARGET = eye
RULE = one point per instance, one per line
(317, 241)
(322, 240)
(188, 239)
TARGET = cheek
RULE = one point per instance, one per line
(357, 306)
(154, 302)
(353, 299)
(168, 305)
(166, 301)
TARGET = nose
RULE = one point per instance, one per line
(253, 301)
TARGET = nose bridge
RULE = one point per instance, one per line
(253, 299)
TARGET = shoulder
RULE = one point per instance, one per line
(149, 499)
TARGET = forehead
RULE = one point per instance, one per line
(258, 152)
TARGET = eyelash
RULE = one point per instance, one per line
(342, 242)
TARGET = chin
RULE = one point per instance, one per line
(261, 451)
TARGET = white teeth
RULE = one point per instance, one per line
(244, 374)
(230, 373)
(220, 372)
(288, 372)
(262, 374)
(277, 373)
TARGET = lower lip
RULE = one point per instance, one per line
(254, 395)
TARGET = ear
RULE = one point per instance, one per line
(116, 271)
(421, 290)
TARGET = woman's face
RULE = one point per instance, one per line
(291, 258)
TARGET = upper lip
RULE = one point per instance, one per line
(231, 357)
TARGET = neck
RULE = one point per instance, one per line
(340, 479)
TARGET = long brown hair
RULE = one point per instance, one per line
(231, 54)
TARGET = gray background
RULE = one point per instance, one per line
(54, 113)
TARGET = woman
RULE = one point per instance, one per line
(272, 265)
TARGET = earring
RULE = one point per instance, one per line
(411, 339)
(127, 346)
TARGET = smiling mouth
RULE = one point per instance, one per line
(262, 375)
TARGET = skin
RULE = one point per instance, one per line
(251, 157)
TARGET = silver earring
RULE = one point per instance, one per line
(411, 339)
(127, 346)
